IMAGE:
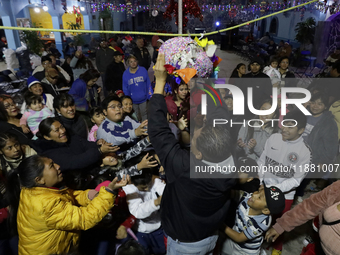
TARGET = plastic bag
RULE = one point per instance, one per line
(35, 61)
(11, 59)
(21, 48)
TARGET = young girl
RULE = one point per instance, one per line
(251, 140)
(12, 153)
(56, 213)
(127, 108)
(239, 71)
(272, 71)
(35, 113)
(97, 117)
(179, 96)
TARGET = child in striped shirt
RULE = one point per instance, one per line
(34, 114)
(253, 218)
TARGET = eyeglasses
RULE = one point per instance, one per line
(118, 107)
(7, 106)
(46, 63)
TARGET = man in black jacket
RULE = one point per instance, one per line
(114, 73)
(259, 82)
(194, 205)
(142, 54)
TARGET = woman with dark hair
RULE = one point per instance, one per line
(74, 123)
(85, 91)
(251, 139)
(80, 64)
(71, 152)
(178, 101)
(239, 71)
(10, 119)
(56, 213)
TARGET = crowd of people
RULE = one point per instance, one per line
(85, 168)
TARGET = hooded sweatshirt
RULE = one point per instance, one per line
(136, 85)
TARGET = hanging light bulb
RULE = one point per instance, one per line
(82, 8)
(37, 10)
(45, 8)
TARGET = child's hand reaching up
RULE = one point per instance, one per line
(25, 129)
(142, 129)
(108, 148)
(182, 123)
(116, 185)
(147, 163)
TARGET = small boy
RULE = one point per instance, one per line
(248, 181)
(253, 218)
(115, 128)
(144, 198)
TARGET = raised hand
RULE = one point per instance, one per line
(147, 163)
(107, 148)
(116, 185)
(142, 129)
(182, 123)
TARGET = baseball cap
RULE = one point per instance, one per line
(160, 40)
(118, 92)
(31, 81)
(275, 199)
(256, 60)
(245, 161)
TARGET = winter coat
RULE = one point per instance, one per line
(103, 59)
(76, 153)
(50, 220)
(75, 126)
(114, 76)
(145, 60)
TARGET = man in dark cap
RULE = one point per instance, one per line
(262, 87)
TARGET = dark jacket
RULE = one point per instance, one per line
(323, 140)
(289, 79)
(76, 126)
(114, 76)
(144, 61)
(191, 209)
(103, 59)
(76, 154)
(10, 128)
(262, 90)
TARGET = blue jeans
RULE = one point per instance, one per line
(203, 247)
(153, 242)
